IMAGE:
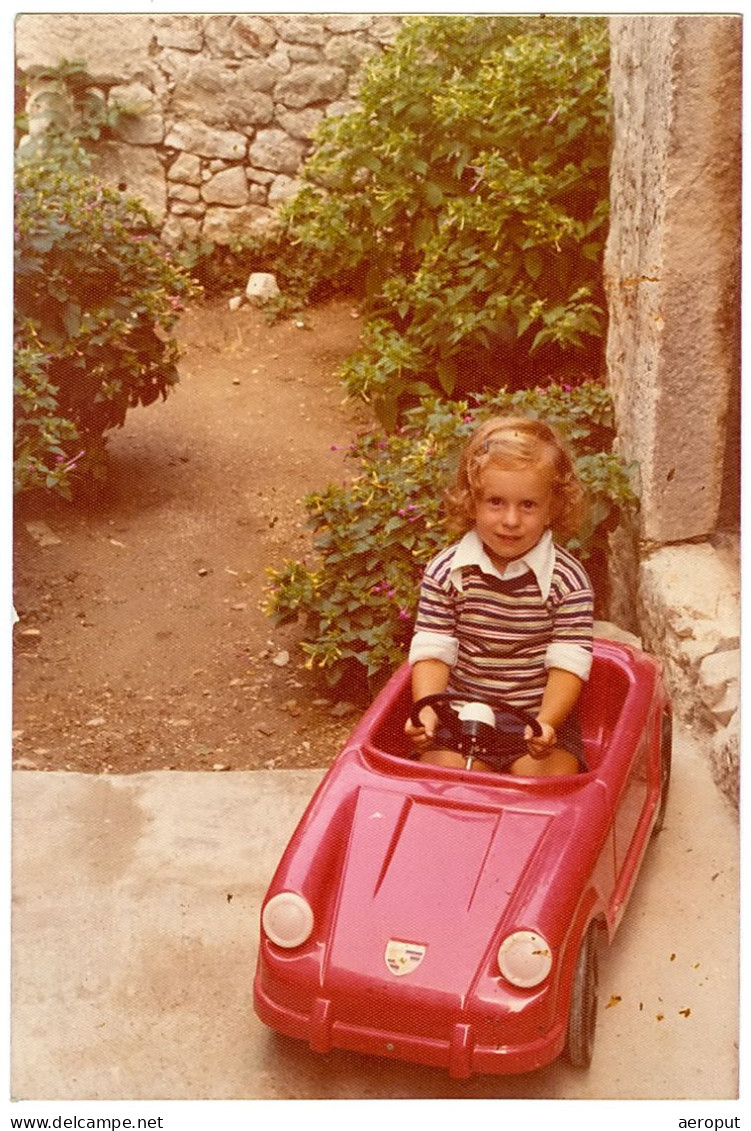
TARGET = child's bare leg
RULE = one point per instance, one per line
(443, 758)
(557, 762)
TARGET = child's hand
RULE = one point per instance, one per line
(421, 734)
(540, 745)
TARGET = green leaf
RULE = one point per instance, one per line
(524, 321)
(72, 319)
(533, 263)
(370, 161)
(446, 374)
(416, 164)
(433, 194)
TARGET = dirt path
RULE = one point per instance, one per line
(141, 643)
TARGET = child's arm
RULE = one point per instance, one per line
(428, 678)
(562, 692)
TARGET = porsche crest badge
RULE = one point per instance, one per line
(403, 957)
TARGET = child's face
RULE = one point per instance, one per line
(513, 508)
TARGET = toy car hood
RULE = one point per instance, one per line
(484, 865)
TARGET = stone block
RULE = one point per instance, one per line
(280, 60)
(276, 151)
(239, 36)
(116, 47)
(145, 129)
(229, 187)
(725, 760)
(304, 86)
(140, 120)
(301, 29)
(133, 98)
(187, 208)
(187, 194)
(184, 32)
(384, 29)
(261, 287)
(186, 168)
(283, 188)
(718, 685)
(136, 172)
(673, 352)
(688, 608)
(224, 225)
(349, 51)
(223, 95)
(300, 124)
(300, 53)
(197, 138)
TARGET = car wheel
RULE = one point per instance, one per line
(666, 758)
(582, 1017)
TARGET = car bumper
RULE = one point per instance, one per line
(463, 1055)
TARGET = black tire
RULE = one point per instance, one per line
(582, 1014)
(666, 759)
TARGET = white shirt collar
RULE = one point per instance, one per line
(540, 559)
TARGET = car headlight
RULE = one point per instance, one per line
(287, 919)
(525, 959)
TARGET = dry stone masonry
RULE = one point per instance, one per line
(672, 271)
(220, 108)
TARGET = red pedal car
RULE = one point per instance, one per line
(451, 917)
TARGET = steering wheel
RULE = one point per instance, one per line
(475, 730)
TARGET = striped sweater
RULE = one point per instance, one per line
(500, 634)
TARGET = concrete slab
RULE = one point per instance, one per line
(135, 911)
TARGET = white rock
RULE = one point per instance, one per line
(689, 611)
(261, 287)
(725, 756)
(718, 684)
(716, 672)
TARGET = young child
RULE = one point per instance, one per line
(505, 614)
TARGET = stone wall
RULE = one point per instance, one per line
(672, 272)
(222, 107)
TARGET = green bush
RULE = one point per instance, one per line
(96, 295)
(467, 196)
(373, 538)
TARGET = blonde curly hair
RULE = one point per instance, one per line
(513, 443)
